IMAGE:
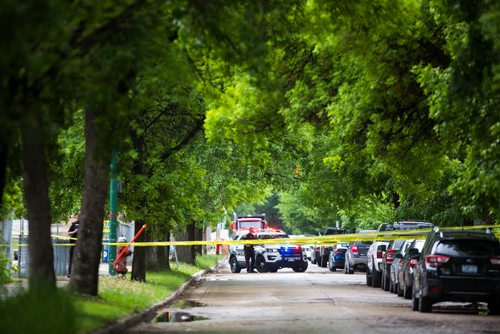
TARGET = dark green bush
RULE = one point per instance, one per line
(45, 311)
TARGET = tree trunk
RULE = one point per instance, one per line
(139, 261)
(36, 192)
(489, 219)
(199, 237)
(157, 257)
(86, 260)
(187, 254)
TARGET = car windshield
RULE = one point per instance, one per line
(251, 223)
(468, 247)
(397, 244)
(363, 243)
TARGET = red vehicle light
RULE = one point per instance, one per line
(389, 255)
(337, 251)
(354, 248)
(413, 263)
(433, 260)
(379, 254)
(495, 261)
(434, 290)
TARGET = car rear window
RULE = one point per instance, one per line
(363, 243)
(468, 247)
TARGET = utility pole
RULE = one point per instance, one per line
(113, 213)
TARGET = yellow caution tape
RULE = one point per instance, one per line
(316, 240)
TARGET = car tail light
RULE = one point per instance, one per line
(434, 290)
(495, 261)
(389, 255)
(354, 248)
(337, 251)
(379, 254)
(413, 263)
(433, 260)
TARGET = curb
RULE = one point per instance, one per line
(147, 315)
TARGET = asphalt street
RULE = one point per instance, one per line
(316, 301)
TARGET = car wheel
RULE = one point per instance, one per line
(376, 279)
(260, 264)
(399, 290)
(330, 266)
(494, 308)
(386, 282)
(414, 303)
(324, 262)
(368, 277)
(300, 269)
(406, 292)
(424, 304)
(233, 263)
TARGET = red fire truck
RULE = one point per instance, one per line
(245, 222)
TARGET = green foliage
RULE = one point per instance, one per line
(5, 276)
(358, 112)
(207, 261)
(38, 312)
(61, 312)
(389, 103)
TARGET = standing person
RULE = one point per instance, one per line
(73, 234)
(249, 250)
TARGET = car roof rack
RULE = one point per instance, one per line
(466, 233)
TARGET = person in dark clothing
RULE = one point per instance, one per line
(73, 234)
(249, 250)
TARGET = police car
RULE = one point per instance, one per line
(268, 257)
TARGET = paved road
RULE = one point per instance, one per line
(317, 301)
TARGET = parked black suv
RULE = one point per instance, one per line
(461, 266)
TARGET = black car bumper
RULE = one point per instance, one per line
(473, 289)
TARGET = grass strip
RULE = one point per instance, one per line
(64, 312)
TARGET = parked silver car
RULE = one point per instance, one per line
(397, 266)
(356, 256)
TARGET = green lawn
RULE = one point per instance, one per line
(68, 313)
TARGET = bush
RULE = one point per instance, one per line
(45, 311)
(4, 269)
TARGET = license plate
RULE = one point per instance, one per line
(290, 259)
(469, 268)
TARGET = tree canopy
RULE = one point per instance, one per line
(357, 112)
